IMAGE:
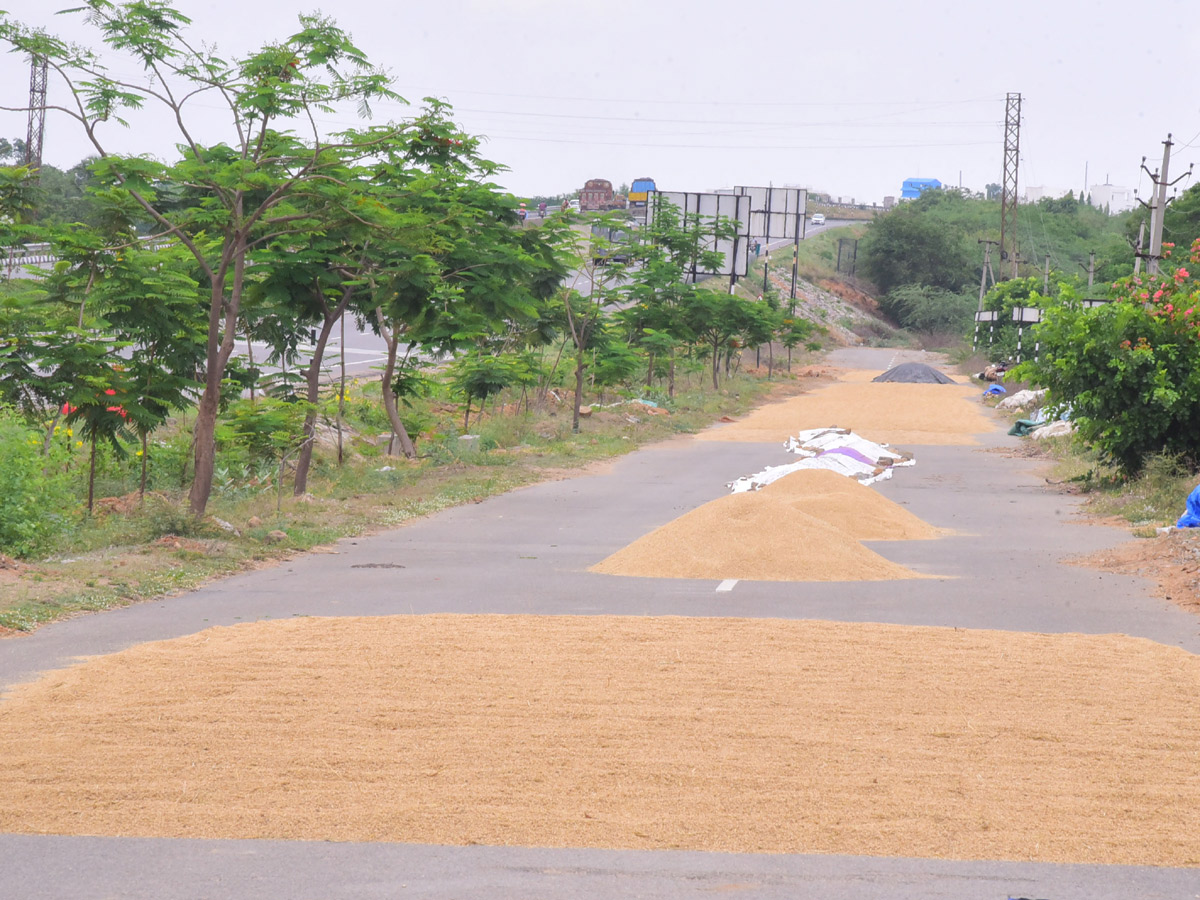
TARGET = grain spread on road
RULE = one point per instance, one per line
(622, 732)
(890, 412)
(798, 529)
(855, 508)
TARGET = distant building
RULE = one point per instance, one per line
(1117, 199)
(596, 195)
(889, 202)
(914, 187)
(1035, 192)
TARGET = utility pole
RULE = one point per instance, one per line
(1046, 278)
(1158, 205)
(987, 270)
(1008, 199)
(1137, 251)
(36, 131)
(1090, 268)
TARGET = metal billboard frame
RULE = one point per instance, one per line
(779, 212)
(698, 208)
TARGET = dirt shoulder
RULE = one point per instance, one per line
(1171, 561)
(142, 551)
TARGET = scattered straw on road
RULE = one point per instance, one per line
(629, 732)
(891, 412)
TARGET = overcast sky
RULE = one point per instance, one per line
(849, 98)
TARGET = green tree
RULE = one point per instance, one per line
(717, 319)
(462, 273)
(929, 309)
(13, 150)
(594, 291)
(905, 246)
(1181, 221)
(659, 284)
(240, 185)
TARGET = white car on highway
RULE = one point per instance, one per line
(818, 219)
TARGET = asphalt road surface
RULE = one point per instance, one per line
(529, 551)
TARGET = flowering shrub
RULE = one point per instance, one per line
(36, 500)
(1130, 370)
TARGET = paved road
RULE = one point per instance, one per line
(528, 553)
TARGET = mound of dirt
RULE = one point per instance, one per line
(856, 509)
(914, 373)
(755, 536)
(707, 734)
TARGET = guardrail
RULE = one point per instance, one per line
(22, 255)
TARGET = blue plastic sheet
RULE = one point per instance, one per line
(1191, 518)
(994, 391)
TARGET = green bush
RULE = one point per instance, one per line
(919, 307)
(38, 504)
(1129, 370)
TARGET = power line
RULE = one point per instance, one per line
(844, 123)
(738, 103)
(641, 143)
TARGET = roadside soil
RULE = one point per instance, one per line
(1171, 560)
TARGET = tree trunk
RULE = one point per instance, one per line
(716, 364)
(145, 463)
(313, 380)
(467, 416)
(671, 375)
(341, 411)
(48, 440)
(553, 370)
(650, 372)
(580, 367)
(206, 450)
(217, 353)
(770, 360)
(389, 396)
(250, 360)
(92, 475)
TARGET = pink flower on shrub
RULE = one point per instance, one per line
(1158, 294)
(1181, 274)
(119, 410)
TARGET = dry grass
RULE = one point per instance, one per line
(706, 734)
